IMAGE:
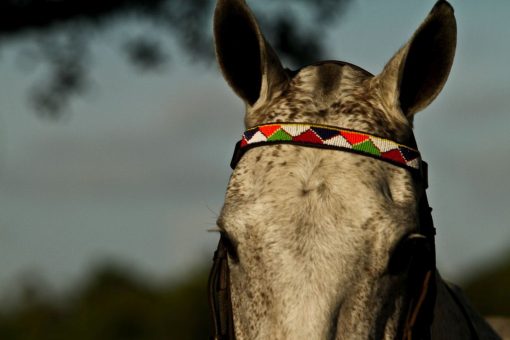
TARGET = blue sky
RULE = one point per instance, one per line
(136, 172)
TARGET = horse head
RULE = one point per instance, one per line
(316, 237)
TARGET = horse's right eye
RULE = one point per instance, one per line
(410, 248)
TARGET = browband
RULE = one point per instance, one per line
(328, 137)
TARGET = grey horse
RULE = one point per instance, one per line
(314, 234)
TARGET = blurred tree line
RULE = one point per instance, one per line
(115, 304)
(490, 290)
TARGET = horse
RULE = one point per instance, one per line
(326, 232)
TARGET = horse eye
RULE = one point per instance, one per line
(407, 251)
(230, 246)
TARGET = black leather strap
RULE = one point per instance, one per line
(222, 322)
(424, 264)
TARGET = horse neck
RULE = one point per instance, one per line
(455, 318)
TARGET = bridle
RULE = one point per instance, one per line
(422, 276)
(423, 269)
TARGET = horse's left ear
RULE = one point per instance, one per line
(417, 73)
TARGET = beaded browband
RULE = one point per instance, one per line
(329, 137)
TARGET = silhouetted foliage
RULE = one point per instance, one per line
(62, 31)
(114, 305)
(490, 291)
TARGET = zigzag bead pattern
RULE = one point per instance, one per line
(334, 138)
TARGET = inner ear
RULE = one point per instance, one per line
(239, 51)
(427, 63)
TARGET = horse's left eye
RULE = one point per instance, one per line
(411, 248)
(231, 246)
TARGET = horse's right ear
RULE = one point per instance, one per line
(247, 61)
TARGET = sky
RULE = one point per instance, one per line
(136, 172)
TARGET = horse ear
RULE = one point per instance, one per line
(247, 61)
(418, 72)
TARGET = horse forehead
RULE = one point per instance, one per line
(280, 182)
